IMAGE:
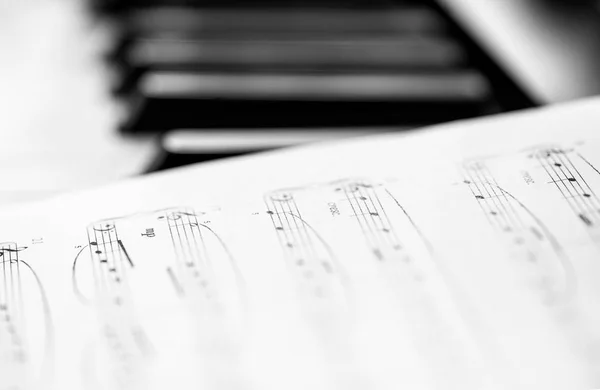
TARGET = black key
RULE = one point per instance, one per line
(364, 55)
(168, 100)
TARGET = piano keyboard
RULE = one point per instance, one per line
(256, 78)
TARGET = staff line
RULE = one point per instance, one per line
(372, 240)
(505, 221)
(298, 243)
(565, 163)
(301, 228)
(392, 239)
(571, 205)
(511, 209)
(484, 206)
(578, 197)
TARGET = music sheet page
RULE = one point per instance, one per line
(465, 256)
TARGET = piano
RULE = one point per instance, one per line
(105, 89)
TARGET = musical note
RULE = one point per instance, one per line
(110, 266)
(409, 268)
(21, 295)
(409, 273)
(525, 235)
(322, 287)
(563, 167)
(311, 261)
(375, 222)
(111, 263)
(205, 274)
(195, 272)
(404, 256)
(12, 250)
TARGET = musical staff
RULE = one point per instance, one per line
(111, 264)
(374, 221)
(310, 259)
(196, 273)
(409, 269)
(205, 274)
(21, 292)
(326, 298)
(562, 169)
(402, 252)
(122, 333)
(526, 236)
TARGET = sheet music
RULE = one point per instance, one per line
(459, 257)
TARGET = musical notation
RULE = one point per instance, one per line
(110, 266)
(24, 314)
(195, 272)
(198, 265)
(310, 259)
(408, 265)
(565, 167)
(371, 214)
(324, 291)
(373, 265)
(205, 274)
(527, 237)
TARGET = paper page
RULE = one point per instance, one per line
(460, 257)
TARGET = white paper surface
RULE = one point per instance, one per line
(460, 257)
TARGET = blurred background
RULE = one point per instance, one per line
(98, 90)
